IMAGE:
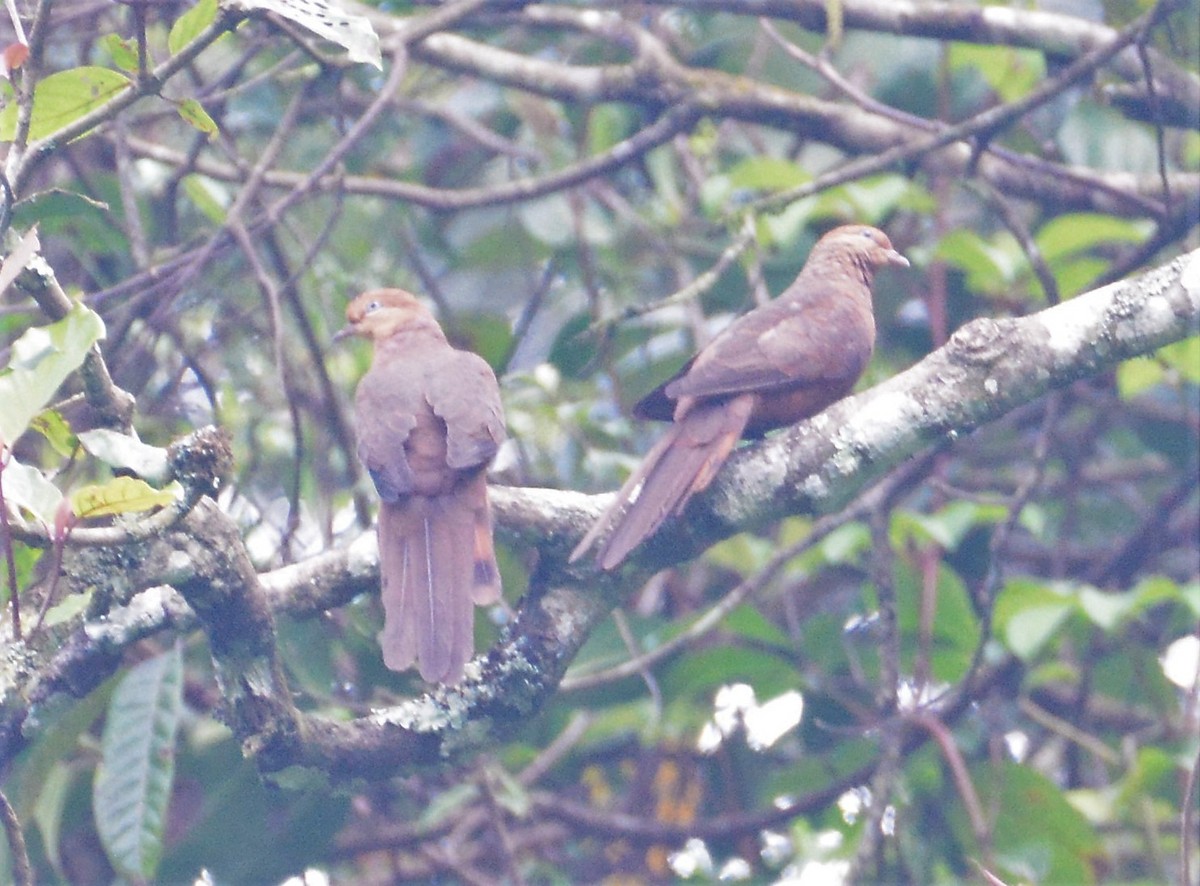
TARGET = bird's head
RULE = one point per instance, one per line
(381, 313)
(863, 244)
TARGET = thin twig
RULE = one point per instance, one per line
(981, 126)
(22, 871)
(14, 597)
(962, 781)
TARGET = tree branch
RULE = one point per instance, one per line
(988, 367)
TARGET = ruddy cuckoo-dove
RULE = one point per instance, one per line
(429, 420)
(779, 363)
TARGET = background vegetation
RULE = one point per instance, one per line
(949, 633)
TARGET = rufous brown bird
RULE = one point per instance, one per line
(777, 364)
(429, 420)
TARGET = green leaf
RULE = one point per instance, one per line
(946, 527)
(955, 626)
(51, 425)
(1183, 357)
(41, 360)
(55, 203)
(25, 487)
(989, 266)
(508, 793)
(62, 98)
(870, 200)
(42, 773)
(607, 125)
(208, 196)
(1038, 836)
(1078, 231)
(1105, 609)
(120, 495)
(122, 451)
(124, 52)
(767, 174)
(189, 25)
(701, 672)
(1010, 72)
(448, 803)
(742, 553)
(1156, 589)
(133, 780)
(50, 809)
(845, 543)
(1172, 364)
(748, 622)
(1138, 375)
(1028, 614)
(193, 112)
(1190, 594)
(70, 608)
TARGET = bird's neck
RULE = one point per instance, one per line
(841, 265)
(413, 333)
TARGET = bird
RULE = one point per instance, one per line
(429, 419)
(777, 364)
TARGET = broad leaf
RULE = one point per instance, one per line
(1029, 613)
(124, 52)
(26, 488)
(120, 495)
(122, 451)
(208, 196)
(1039, 836)
(42, 359)
(62, 98)
(133, 780)
(327, 19)
(51, 425)
(189, 25)
(193, 112)
(1078, 231)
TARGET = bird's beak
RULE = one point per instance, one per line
(895, 259)
(342, 334)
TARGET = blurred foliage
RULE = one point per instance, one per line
(1034, 580)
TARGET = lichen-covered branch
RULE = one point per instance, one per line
(989, 367)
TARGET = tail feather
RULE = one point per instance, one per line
(398, 571)
(430, 559)
(679, 465)
(485, 579)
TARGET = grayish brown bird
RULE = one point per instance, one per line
(429, 421)
(777, 364)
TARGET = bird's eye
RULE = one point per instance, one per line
(373, 306)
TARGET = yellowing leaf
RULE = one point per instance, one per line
(193, 112)
(57, 431)
(120, 495)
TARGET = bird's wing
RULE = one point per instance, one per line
(386, 416)
(781, 346)
(464, 394)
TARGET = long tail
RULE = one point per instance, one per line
(436, 561)
(678, 466)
